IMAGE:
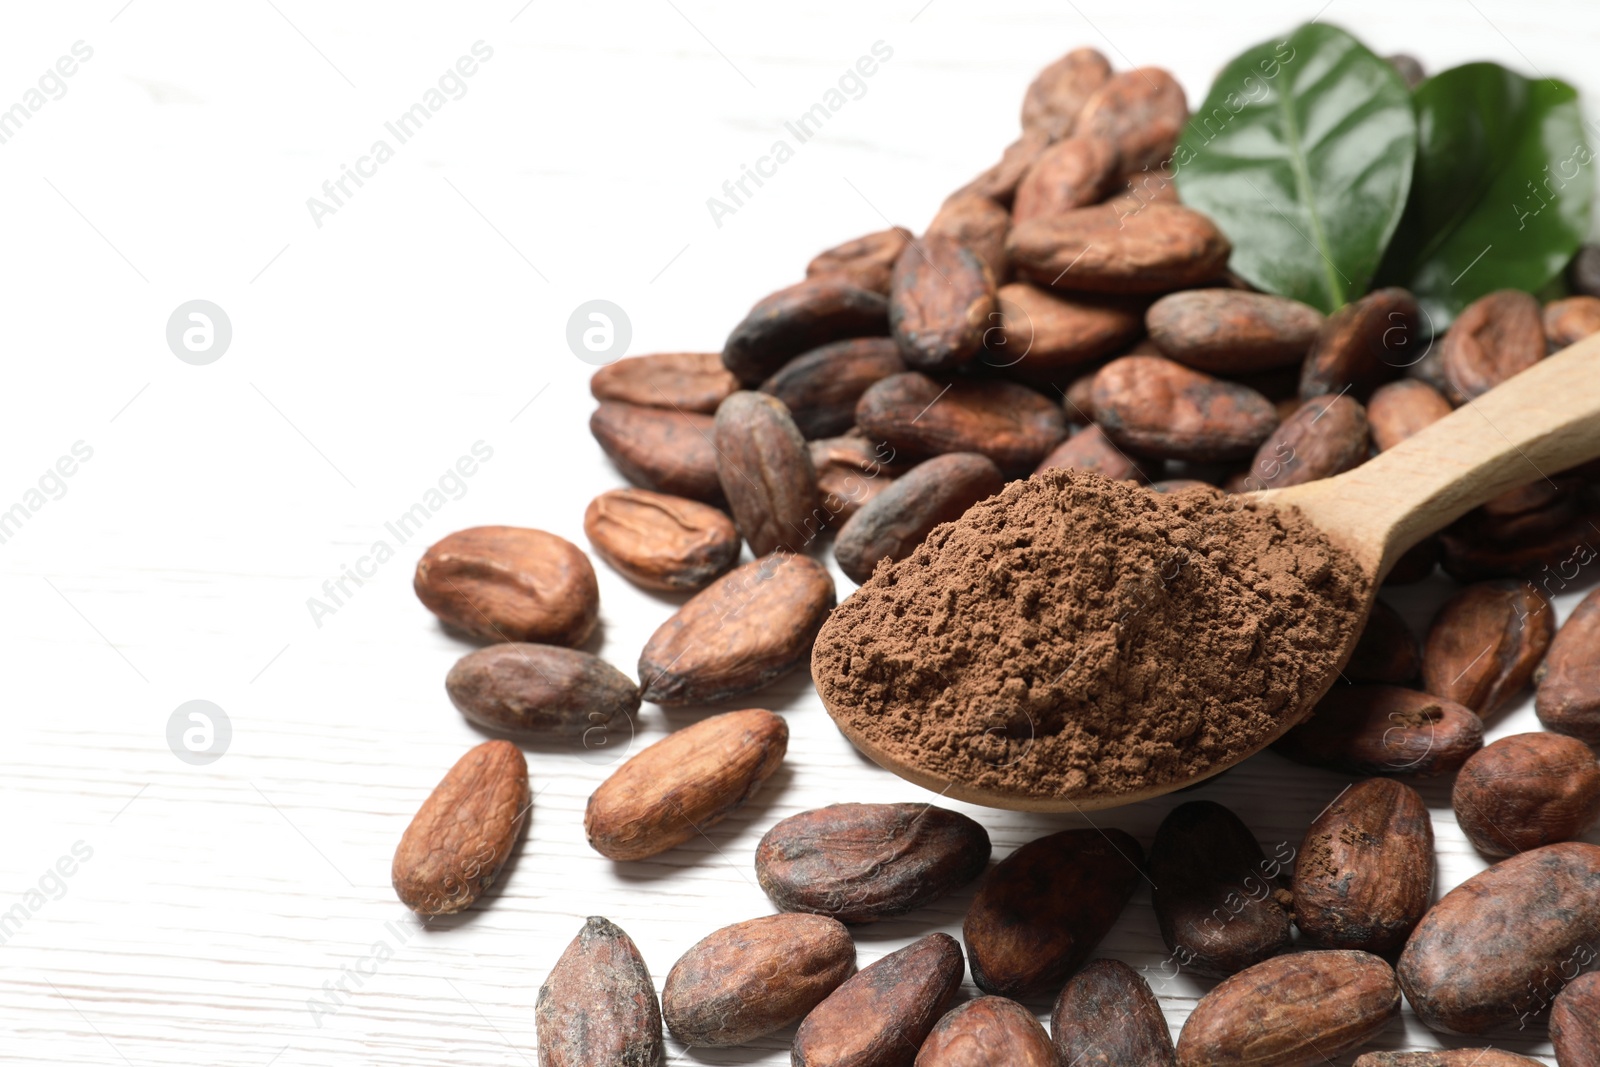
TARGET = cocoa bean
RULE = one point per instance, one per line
(896, 521)
(850, 472)
(1300, 1009)
(941, 298)
(881, 1015)
(660, 541)
(1568, 699)
(1399, 409)
(539, 690)
(1495, 337)
(1583, 273)
(1485, 642)
(821, 388)
(1525, 791)
(598, 1006)
(988, 1032)
(506, 583)
(1072, 173)
(860, 863)
(1078, 400)
(1326, 435)
(1575, 1022)
(1364, 344)
(1009, 423)
(1502, 944)
(1364, 875)
(1415, 563)
(1156, 407)
(1380, 729)
(1457, 1057)
(683, 784)
(1142, 112)
(665, 451)
(1566, 322)
(754, 977)
(1056, 96)
(1091, 450)
(1226, 331)
(1094, 249)
(1218, 907)
(865, 262)
(797, 319)
(685, 381)
(1133, 191)
(1043, 332)
(1021, 941)
(742, 632)
(464, 832)
(1106, 1016)
(766, 473)
(1387, 651)
(1551, 560)
(978, 223)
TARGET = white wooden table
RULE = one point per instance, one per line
(239, 912)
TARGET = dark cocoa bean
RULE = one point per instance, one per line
(1387, 651)
(685, 381)
(1106, 1016)
(940, 302)
(896, 521)
(1364, 344)
(1415, 563)
(1091, 450)
(1550, 560)
(821, 388)
(1326, 435)
(1583, 273)
(978, 223)
(598, 1006)
(1056, 96)
(860, 863)
(1156, 407)
(1568, 699)
(1399, 409)
(1072, 173)
(1142, 112)
(1094, 249)
(1009, 423)
(1226, 331)
(766, 473)
(1381, 729)
(1495, 337)
(1485, 642)
(850, 472)
(539, 690)
(1575, 1022)
(1457, 1057)
(1525, 791)
(880, 1016)
(663, 450)
(988, 1032)
(865, 262)
(1566, 322)
(797, 319)
(660, 541)
(506, 583)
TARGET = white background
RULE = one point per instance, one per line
(368, 354)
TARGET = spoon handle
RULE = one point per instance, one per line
(1543, 421)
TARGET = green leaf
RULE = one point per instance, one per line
(1302, 153)
(1503, 184)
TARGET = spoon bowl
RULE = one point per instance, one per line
(1537, 424)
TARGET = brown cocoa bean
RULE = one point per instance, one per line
(988, 1032)
(896, 521)
(1290, 1011)
(1485, 642)
(1142, 112)
(1381, 729)
(1525, 791)
(1326, 435)
(1091, 450)
(1056, 96)
(999, 182)
(1501, 945)
(685, 381)
(661, 450)
(1078, 400)
(539, 690)
(881, 1015)
(683, 784)
(1133, 191)
(860, 863)
(1094, 249)
(598, 1006)
(754, 977)
(766, 473)
(1566, 322)
(1043, 332)
(506, 583)
(1227, 331)
(1568, 699)
(1415, 563)
(978, 223)
(1457, 1057)
(742, 632)
(1072, 173)
(1399, 409)
(1216, 898)
(1364, 344)
(940, 302)
(851, 471)
(1387, 651)
(865, 262)
(1583, 273)
(797, 319)
(1495, 337)
(821, 388)
(660, 541)
(1551, 559)
(1364, 875)
(1021, 942)
(1575, 1022)
(1009, 423)
(1106, 1016)
(1156, 407)
(464, 832)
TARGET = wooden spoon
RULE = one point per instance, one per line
(1542, 421)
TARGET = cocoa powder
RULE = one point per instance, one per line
(1073, 633)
